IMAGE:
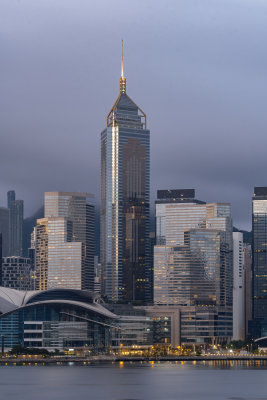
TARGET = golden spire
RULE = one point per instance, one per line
(122, 79)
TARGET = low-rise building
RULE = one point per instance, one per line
(55, 319)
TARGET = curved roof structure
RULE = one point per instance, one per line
(11, 299)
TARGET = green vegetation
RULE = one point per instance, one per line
(20, 350)
(248, 345)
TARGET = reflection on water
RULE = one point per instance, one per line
(179, 380)
(221, 364)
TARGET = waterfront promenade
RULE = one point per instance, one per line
(37, 359)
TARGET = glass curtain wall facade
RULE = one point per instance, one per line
(79, 210)
(177, 211)
(193, 264)
(190, 277)
(125, 220)
(239, 325)
(4, 229)
(65, 257)
(56, 319)
(259, 260)
(64, 240)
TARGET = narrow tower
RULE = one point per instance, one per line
(125, 163)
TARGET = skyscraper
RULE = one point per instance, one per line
(17, 273)
(41, 254)
(4, 229)
(194, 248)
(193, 262)
(125, 177)
(0, 259)
(11, 196)
(16, 210)
(247, 259)
(259, 261)
(239, 321)
(64, 242)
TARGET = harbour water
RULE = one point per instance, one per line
(231, 380)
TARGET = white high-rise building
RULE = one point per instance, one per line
(65, 242)
(239, 329)
(193, 263)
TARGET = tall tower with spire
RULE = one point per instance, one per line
(125, 181)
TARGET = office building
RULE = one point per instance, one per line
(4, 229)
(41, 254)
(145, 326)
(11, 196)
(125, 176)
(247, 260)
(17, 273)
(193, 265)
(239, 321)
(31, 249)
(16, 210)
(258, 327)
(64, 242)
(97, 281)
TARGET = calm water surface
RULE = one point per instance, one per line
(136, 381)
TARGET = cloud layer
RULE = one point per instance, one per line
(197, 68)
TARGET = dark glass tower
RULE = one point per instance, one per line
(259, 258)
(11, 196)
(16, 212)
(125, 177)
(4, 229)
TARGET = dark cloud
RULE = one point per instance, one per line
(196, 67)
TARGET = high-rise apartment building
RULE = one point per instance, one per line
(17, 273)
(259, 262)
(41, 254)
(125, 177)
(193, 262)
(64, 242)
(16, 210)
(4, 229)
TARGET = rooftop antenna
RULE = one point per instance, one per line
(122, 79)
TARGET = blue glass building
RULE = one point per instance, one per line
(125, 179)
(258, 327)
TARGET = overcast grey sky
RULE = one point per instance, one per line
(198, 68)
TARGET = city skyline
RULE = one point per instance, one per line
(133, 239)
(189, 83)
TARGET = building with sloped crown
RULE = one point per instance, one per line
(125, 179)
(55, 319)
